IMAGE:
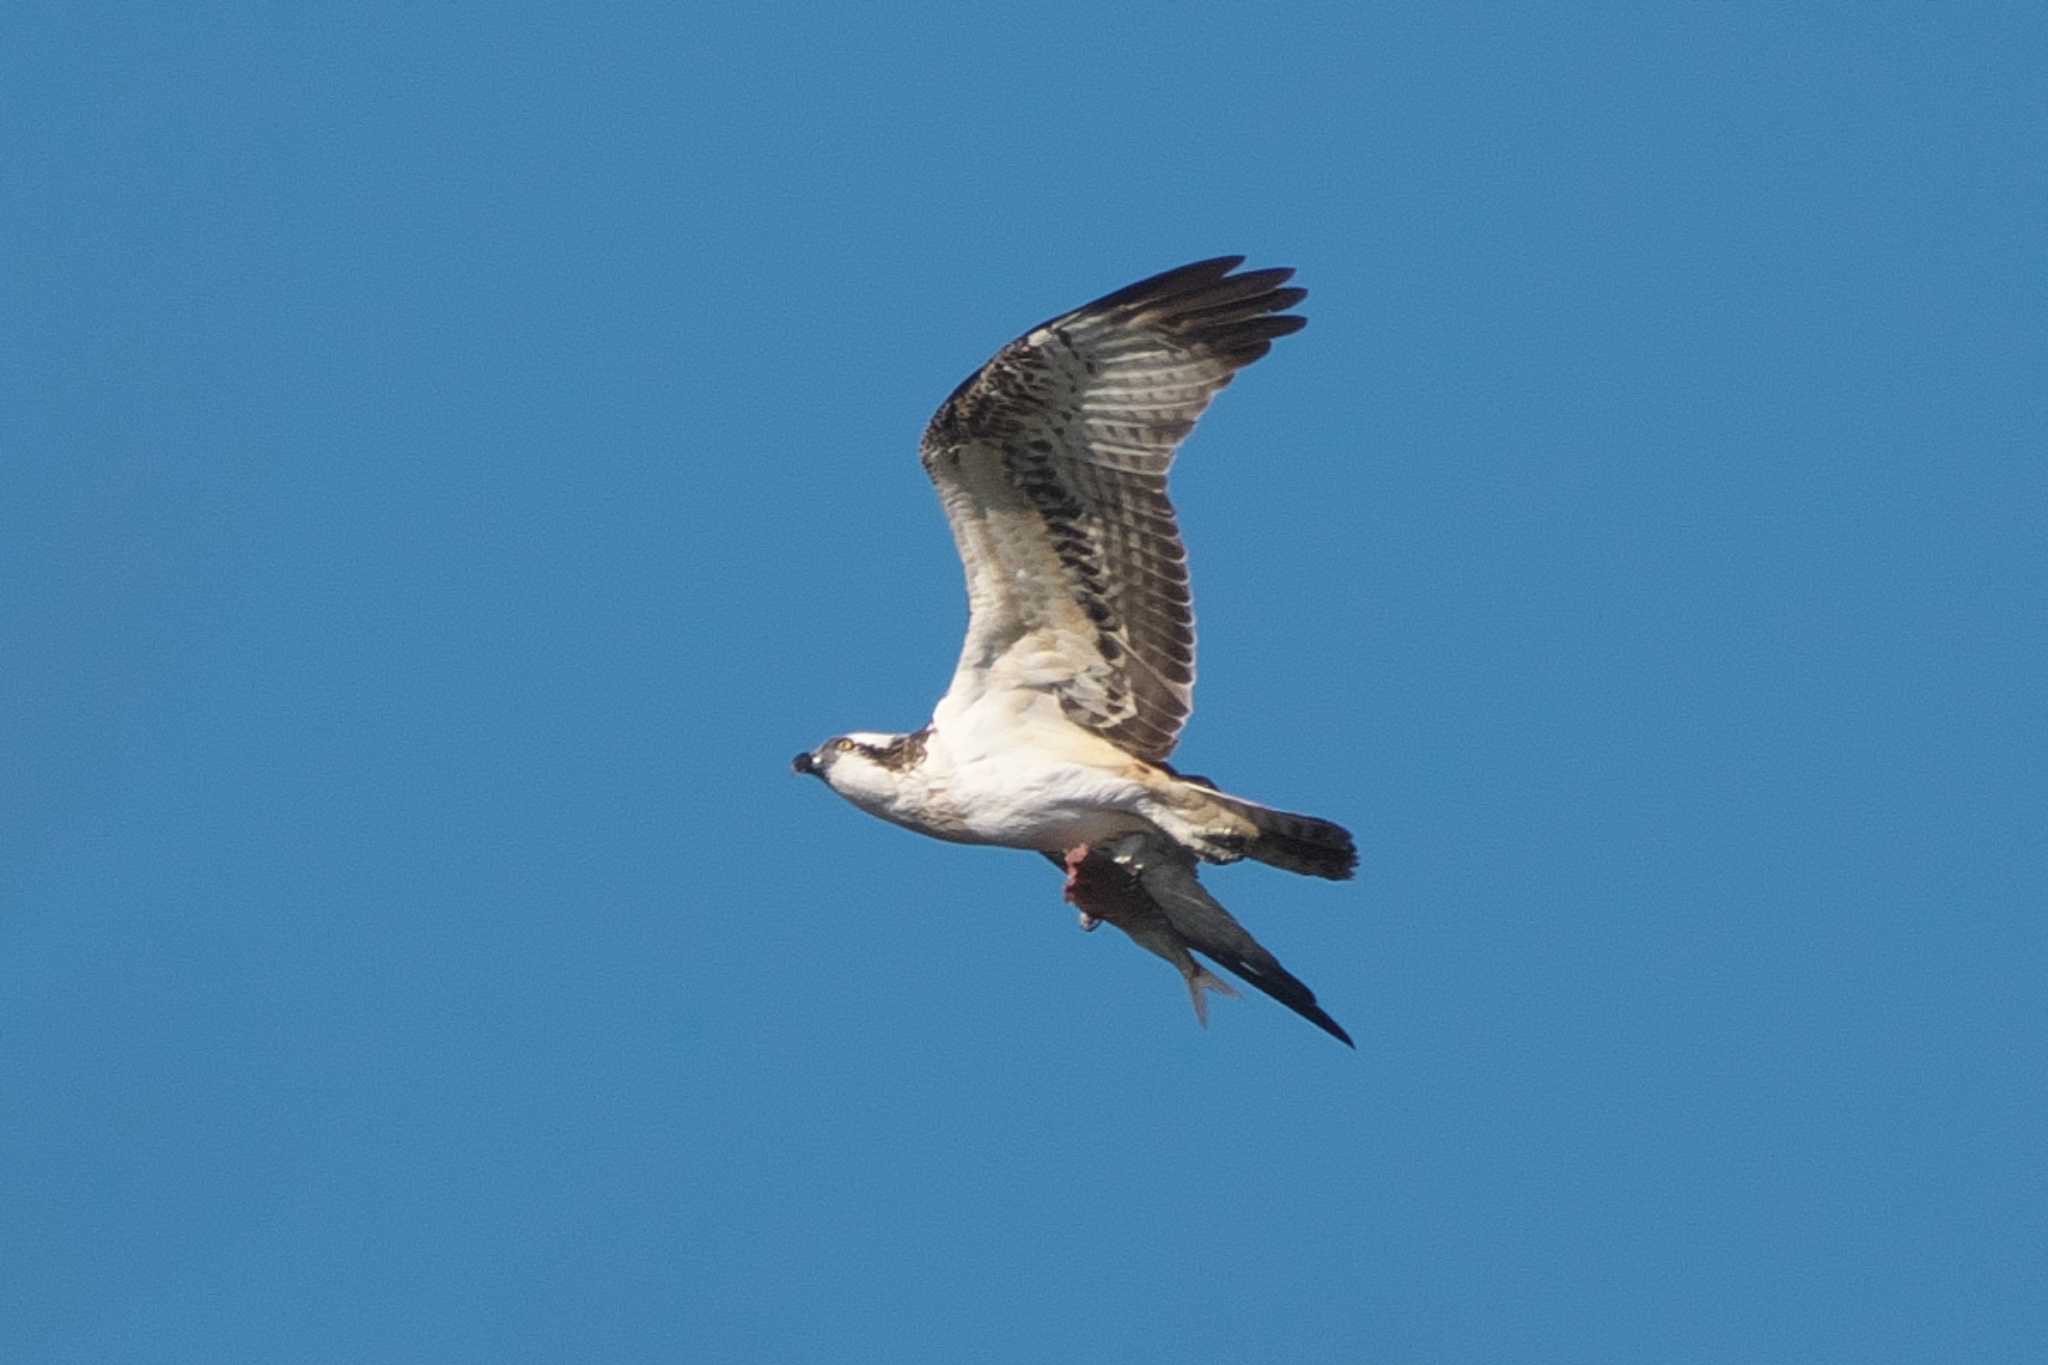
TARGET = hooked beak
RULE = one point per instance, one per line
(804, 763)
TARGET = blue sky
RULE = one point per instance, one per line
(454, 457)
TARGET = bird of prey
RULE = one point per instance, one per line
(1079, 667)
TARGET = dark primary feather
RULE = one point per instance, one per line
(1076, 424)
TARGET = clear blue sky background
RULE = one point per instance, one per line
(454, 455)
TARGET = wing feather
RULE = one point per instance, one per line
(1051, 464)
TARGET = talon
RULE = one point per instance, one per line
(1077, 892)
(1075, 857)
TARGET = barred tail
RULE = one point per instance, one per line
(1297, 843)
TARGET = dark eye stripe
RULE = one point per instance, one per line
(906, 752)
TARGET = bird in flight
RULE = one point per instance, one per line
(1078, 672)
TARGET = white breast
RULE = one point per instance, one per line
(1011, 770)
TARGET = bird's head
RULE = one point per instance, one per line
(863, 766)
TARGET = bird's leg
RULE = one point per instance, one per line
(1076, 856)
(1074, 891)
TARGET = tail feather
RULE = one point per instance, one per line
(1295, 843)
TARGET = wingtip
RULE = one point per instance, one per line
(1205, 278)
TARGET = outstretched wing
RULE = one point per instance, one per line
(1051, 462)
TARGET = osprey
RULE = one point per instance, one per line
(1079, 668)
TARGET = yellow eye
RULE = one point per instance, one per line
(842, 745)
